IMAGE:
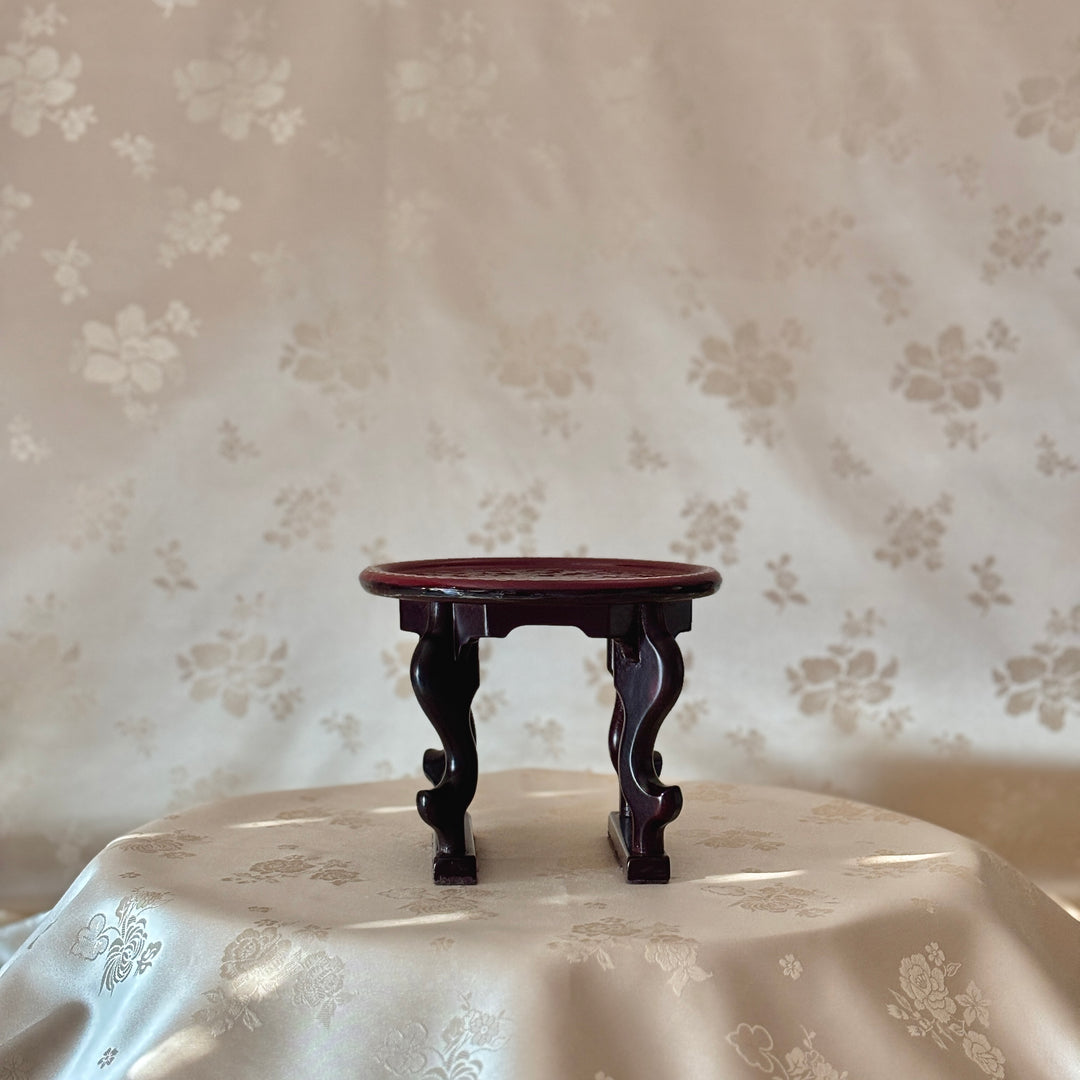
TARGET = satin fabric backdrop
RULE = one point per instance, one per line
(790, 289)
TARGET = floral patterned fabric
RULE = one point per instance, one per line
(290, 288)
(298, 933)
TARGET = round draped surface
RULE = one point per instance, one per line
(298, 934)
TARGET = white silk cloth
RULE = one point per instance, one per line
(298, 933)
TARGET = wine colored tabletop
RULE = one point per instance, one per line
(525, 578)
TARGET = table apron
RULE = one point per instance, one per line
(473, 620)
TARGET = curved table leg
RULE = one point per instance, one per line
(647, 667)
(444, 684)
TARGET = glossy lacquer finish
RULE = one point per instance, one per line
(639, 606)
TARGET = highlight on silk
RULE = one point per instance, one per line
(543, 319)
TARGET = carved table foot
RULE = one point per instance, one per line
(647, 667)
(445, 680)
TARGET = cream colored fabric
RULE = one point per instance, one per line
(298, 934)
(288, 288)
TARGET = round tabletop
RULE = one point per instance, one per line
(568, 580)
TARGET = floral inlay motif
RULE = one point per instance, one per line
(449, 87)
(754, 1044)
(848, 681)
(659, 944)
(37, 83)
(1046, 679)
(1018, 240)
(241, 667)
(954, 378)
(460, 1054)
(915, 534)
(242, 87)
(755, 374)
(713, 526)
(932, 1009)
(341, 356)
(126, 945)
(1050, 105)
(135, 356)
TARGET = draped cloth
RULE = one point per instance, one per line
(297, 933)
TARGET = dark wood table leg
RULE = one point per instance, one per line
(647, 668)
(445, 678)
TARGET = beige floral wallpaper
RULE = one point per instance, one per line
(790, 289)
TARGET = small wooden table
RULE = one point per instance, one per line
(639, 606)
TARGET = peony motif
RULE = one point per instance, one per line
(445, 90)
(1049, 678)
(989, 1058)
(531, 357)
(127, 353)
(948, 377)
(925, 986)
(33, 81)
(746, 371)
(1051, 104)
(236, 94)
(842, 684)
(236, 667)
(320, 979)
(249, 948)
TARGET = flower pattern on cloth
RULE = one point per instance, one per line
(932, 1009)
(261, 965)
(241, 88)
(135, 356)
(1047, 679)
(754, 1044)
(463, 1048)
(659, 943)
(37, 81)
(126, 945)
